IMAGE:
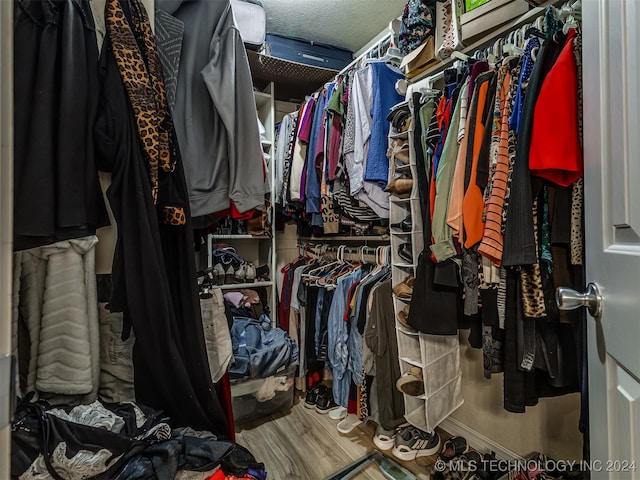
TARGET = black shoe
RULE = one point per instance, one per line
(405, 225)
(325, 402)
(225, 226)
(311, 398)
(263, 272)
(404, 252)
(239, 227)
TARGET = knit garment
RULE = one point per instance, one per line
(492, 239)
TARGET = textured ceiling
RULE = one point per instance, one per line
(343, 23)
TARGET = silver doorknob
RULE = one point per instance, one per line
(569, 299)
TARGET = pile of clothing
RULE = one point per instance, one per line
(118, 441)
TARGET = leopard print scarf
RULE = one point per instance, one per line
(141, 71)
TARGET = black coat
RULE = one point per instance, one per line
(57, 191)
(154, 278)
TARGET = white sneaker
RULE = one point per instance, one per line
(250, 274)
(349, 423)
(338, 414)
(240, 274)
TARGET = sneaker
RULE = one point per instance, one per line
(240, 274)
(384, 437)
(250, 275)
(338, 414)
(348, 423)
(311, 398)
(228, 276)
(325, 402)
(411, 443)
(218, 274)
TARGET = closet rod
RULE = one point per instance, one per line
(353, 238)
(487, 41)
(342, 250)
(385, 38)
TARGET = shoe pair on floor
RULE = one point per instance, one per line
(320, 397)
(461, 463)
(407, 441)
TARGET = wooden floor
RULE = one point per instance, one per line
(300, 444)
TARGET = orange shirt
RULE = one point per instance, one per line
(473, 202)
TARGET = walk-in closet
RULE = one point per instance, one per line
(308, 240)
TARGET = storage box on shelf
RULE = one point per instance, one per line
(492, 14)
(258, 397)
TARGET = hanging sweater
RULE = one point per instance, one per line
(214, 114)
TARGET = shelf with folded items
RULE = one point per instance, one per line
(235, 286)
(240, 237)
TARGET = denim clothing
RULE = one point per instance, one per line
(260, 350)
(338, 338)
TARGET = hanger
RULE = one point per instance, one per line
(433, 79)
(362, 250)
(498, 47)
(460, 56)
(393, 56)
(427, 93)
(572, 15)
(534, 32)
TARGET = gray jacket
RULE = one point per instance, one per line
(214, 112)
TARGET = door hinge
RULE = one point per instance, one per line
(7, 390)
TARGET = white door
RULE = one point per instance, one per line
(6, 222)
(611, 57)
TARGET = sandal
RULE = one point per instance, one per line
(453, 448)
